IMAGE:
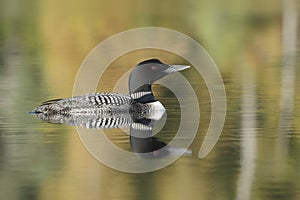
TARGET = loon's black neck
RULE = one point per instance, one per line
(143, 94)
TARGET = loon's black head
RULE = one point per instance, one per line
(146, 73)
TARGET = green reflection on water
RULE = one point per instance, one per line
(42, 46)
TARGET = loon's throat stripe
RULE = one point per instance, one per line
(138, 95)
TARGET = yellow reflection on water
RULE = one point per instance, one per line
(239, 35)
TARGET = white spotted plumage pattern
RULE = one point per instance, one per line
(110, 99)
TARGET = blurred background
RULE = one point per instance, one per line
(255, 44)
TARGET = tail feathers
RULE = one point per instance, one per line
(50, 107)
(50, 101)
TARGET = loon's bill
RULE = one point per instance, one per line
(176, 68)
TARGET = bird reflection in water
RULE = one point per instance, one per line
(142, 140)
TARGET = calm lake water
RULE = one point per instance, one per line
(258, 153)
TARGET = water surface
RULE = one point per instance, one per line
(256, 157)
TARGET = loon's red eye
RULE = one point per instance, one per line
(154, 67)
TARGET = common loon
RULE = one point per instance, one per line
(139, 110)
(141, 103)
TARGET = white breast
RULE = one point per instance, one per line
(156, 110)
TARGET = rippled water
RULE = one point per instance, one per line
(256, 157)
